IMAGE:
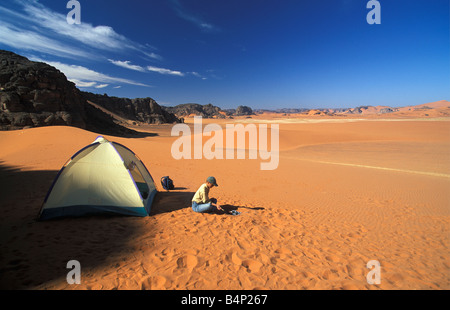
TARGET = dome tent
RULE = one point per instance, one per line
(102, 178)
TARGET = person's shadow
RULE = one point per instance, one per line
(228, 208)
(170, 201)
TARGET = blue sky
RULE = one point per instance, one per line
(265, 54)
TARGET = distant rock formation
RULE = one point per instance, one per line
(243, 110)
(364, 110)
(207, 111)
(34, 94)
(287, 110)
(145, 110)
(195, 109)
(361, 110)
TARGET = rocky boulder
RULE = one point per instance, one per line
(243, 110)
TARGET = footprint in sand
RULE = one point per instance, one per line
(234, 258)
(168, 252)
(332, 258)
(187, 261)
(252, 265)
(283, 252)
(330, 274)
(153, 283)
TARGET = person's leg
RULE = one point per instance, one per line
(204, 207)
(216, 206)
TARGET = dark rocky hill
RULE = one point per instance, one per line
(207, 111)
(145, 110)
(34, 94)
(243, 110)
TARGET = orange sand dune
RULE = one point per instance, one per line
(436, 105)
(344, 193)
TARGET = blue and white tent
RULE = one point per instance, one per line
(103, 177)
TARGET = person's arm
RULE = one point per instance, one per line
(212, 200)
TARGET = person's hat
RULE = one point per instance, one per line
(212, 180)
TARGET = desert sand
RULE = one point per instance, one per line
(346, 191)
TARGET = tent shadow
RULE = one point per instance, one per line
(171, 201)
(35, 253)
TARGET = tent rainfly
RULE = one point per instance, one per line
(102, 178)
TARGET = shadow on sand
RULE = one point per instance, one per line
(36, 252)
(228, 208)
(137, 134)
(122, 132)
(171, 201)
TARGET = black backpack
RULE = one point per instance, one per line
(167, 183)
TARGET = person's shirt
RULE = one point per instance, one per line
(201, 196)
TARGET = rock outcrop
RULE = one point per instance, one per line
(243, 110)
(190, 109)
(145, 110)
(207, 111)
(34, 94)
